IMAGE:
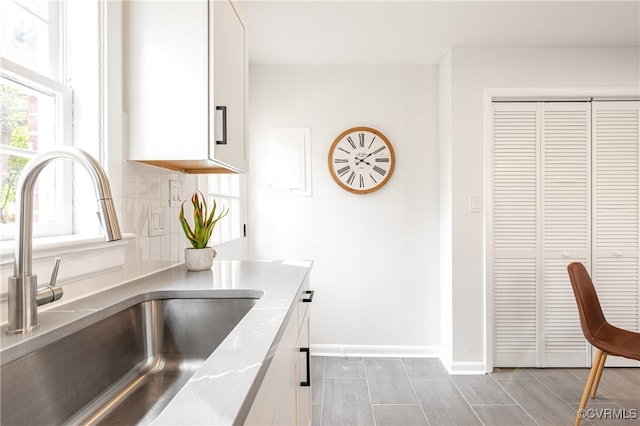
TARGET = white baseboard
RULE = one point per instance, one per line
(468, 368)
(382, 351)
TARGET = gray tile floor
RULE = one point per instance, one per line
(418, 391)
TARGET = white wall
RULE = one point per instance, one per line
(471, 71)
(376, 255)
(446, 231)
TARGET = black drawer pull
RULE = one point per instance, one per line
(224, 125)
(308, 381)
(310, 298)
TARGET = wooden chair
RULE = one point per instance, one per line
(608, 339)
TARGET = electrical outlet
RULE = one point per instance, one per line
(156, 221)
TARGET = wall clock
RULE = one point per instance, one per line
(361, 160)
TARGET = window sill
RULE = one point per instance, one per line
(61, 245)
(82, 257)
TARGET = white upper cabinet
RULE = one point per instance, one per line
(186, 84)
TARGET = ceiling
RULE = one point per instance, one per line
(421, 31)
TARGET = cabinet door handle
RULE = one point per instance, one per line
(310, 298)
(224, 125)
(308, 381)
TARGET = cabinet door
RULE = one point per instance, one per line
(303, 369)
(275, 402)
(229, 88)
(166, 80)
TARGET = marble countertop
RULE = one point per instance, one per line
(222, 390)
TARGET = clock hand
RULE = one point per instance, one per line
(367, 156)
(361, 160)
(365, 162)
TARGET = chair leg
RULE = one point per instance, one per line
(594, 387)
(589, 385)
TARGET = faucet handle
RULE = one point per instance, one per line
(51, 292)
(54, 273)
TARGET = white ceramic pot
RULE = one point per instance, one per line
(199, 259)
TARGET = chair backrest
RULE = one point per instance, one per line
(591, 317)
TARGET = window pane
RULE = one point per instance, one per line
(26, 37)
(225, 189)
(28, 120)
(10, 167)
(213, 186)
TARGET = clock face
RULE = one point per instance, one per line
(361, 160)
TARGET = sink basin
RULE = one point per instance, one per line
(123, 369)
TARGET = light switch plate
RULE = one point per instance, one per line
(475, 203)
(156, 221)
(175, 193)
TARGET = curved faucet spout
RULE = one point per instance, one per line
(23, 286)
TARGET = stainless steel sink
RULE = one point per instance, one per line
(123, 369)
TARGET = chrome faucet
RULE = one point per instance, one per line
(24, 295)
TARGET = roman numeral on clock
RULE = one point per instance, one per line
(343, 171)
(374, 138)
(382, 160)
(361, 136)
(351, 177)
(379, 149)
(379, 170)
(351, 142)
(340, 160)
(361, 181)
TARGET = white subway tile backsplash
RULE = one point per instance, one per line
(173, 220)
(174, 241)
(155, 248)
(144, 256)
(128, 221)
(165, 248)
(130, 186)
(142, 227)
(154, 187)
(143, 186)
(146, 188)
(164, 187)
(182, 244)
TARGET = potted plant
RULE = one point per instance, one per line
(200, 256)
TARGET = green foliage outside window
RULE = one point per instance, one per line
(14, 132)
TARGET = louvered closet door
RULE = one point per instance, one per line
(565, 188)
(541, 222)
(565, 218)
(616, 221)
(514, 269)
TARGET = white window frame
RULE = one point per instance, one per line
(77, 215)
(20, 75)
(235, 219)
